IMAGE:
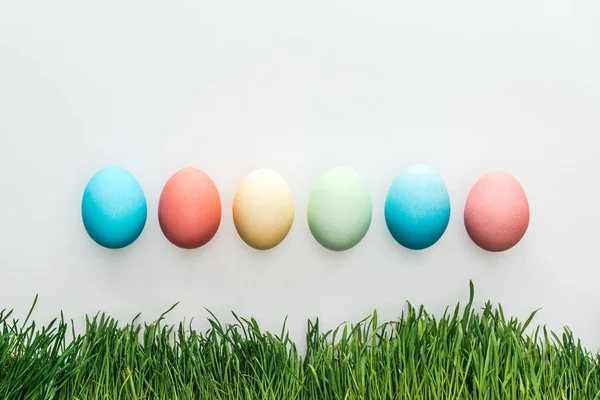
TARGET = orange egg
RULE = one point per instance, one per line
(496, 212)
(189, 209)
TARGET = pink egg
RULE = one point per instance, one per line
(189, 209)
(496, 212)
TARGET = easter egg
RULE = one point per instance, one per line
(496, 212)
(113, 208)
(263, 209)
(417, 207)
(189, 209)
(339, 209)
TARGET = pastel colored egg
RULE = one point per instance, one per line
(417, 207)
(113, 208)
(339, 209)
(189, 209)
(496, 212)
(263, 209)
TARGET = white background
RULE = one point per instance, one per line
(299, 87)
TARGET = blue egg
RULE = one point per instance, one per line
(114, 208)
(417, 207)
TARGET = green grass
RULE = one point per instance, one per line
(465, 354)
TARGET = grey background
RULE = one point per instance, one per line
(467, 87)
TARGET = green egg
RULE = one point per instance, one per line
(339, 209)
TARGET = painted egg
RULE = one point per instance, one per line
(113, 208)
(496, 212)
(263, 209)
(339, 209)
(417, 207)
(189, 209)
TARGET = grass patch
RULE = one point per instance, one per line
(465, 354)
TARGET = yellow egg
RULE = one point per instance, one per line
(263, 209)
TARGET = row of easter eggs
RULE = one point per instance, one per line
(417, 209)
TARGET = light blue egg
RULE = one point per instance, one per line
(114, 208)
(417, 207)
